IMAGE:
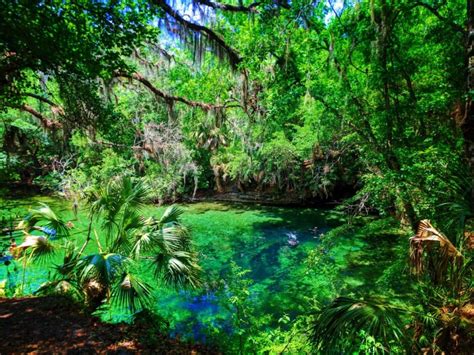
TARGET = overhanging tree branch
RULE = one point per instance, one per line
(54, 107)
(40, 98)
(45, 121)
(435, 11)
(168, 97)
(229, 7)
(232, 54)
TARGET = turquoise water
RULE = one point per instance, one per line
(254, 237)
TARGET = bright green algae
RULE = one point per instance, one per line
(286, 280)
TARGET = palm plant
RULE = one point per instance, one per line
(110, 271)
(336, 328)
(44, 219)
(40, 248)
(210, 136)
(445, 301)
(429, 243)
(449, 290)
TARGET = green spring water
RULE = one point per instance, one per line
(255, 237)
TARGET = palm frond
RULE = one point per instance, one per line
(132, 220)
(101, 267)
(131, 294)
(175, 238)
(175, 260)
(41, 249)
(425, 237)
(70, 260)
(171, 215)
(429, 319)
(134, 192)
(336, 327)
(167, 238)
(96, 200)
(128, 233)
(143, 243)
(120, 243)
(118, 205)
(178, 269)
(119, 192)
(55, 225)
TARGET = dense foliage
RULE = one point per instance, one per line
(302, 101)
(110, 270)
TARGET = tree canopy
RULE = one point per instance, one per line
(367, 103)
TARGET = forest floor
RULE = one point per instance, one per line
(52, 325)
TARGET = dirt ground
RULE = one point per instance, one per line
(50, 325)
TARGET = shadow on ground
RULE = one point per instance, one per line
(52, 325)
